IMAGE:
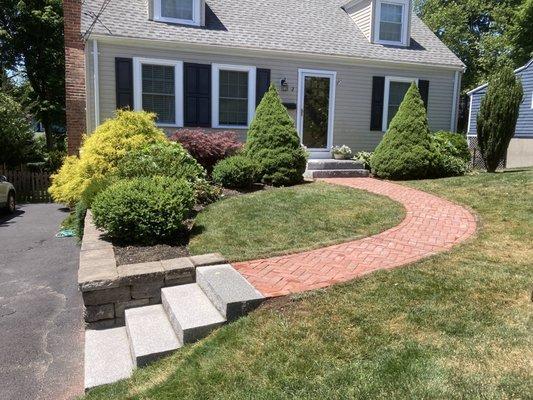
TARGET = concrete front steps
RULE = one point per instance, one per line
(335, 169)
(188, 313)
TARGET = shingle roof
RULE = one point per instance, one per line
(301, 26)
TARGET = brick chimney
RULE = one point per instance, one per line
(74, 75)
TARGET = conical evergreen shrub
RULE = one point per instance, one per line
(274, 144)
(498, 113)
(406, 150)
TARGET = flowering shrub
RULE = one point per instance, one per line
(364, 157)
(208, 148)
(342, 151)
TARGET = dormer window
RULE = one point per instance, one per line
(178, 11)
(392, 22)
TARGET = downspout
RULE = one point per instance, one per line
(96, 80)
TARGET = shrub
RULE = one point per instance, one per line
(364, 157)
(406, 150)
(274, 143)
(144, 210)
(16, 136)
(80, 212)
(161, 159)
(205, 193)
(497, 116)
(208, 148)
(102, 152)
(453, 143)
(237, 172)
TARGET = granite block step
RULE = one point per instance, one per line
(150, 334)
(107, 357)
(228, 290)
(330, 164)
(190, 311)
(336, 173)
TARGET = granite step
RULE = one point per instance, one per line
(190, 312)
(228, 290)
(107, 357)
(150, 334)
(336, 173)
(330, 164)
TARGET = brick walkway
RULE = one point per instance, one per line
(431, 225)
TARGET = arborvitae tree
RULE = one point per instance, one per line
(274, 143)
(497, 116)
(406, 150)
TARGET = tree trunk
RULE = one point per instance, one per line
(48, 132)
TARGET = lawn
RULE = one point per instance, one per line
(287, 220)
(457, 325)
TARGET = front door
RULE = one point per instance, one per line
(316, 103)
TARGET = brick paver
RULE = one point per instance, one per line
(431, 225)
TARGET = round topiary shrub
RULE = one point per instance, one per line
(406, 150)
(144, 210)
(237, 172)
(161, 159)
(274, 144)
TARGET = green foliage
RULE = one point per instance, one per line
(145, 210)
(406, 151)
(238, 172)
(161, 159)
(497, 116)
(274, 143)
(31, 41)
(205, 193)
(80, 212)
(454, 144)
(364, 157)
(522, 33)
(479, 32)
(102, 152)
(16, 136)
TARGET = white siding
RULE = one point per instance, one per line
(361, 13)
(353, 97)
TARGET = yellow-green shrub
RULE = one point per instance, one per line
(102, 151)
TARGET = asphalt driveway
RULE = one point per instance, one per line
(41, 328)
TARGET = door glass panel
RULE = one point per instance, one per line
(316, 112)
(396, 94)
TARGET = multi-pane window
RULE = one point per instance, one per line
(177, 9)
(397, 91)
(233, 98)
(391, 22)
(158, 92)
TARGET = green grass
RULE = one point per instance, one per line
(455, 326)
(287, 220)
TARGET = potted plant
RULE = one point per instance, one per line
(341, 152)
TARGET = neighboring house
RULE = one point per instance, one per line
(341, 67)
(520, 152)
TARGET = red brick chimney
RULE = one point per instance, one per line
(74, 75)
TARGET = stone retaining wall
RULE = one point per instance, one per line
(108, 290)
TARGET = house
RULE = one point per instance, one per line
(520, 151)
(341, 67)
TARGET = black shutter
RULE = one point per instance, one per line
(262, 84)
(124, 82)
(423, 87)
(197, 84)
(376, 113)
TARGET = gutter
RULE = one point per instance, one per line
(96, 84)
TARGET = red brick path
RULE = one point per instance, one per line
(431, 225)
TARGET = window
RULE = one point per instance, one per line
(177, 11)
(233, 96)
(158, 89)
(392, 22)
(395, 90)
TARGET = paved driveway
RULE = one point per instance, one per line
(41, 329)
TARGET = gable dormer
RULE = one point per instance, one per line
(385, 22)
(183, 12)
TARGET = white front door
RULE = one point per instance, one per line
(316, 108)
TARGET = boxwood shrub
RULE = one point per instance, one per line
(145, 210)
(237, 172)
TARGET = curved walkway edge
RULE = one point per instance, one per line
(431, 225)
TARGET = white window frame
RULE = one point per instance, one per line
(196, 10)
(405, 22)
(215, 100)
(388, 80)
(178, 86)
